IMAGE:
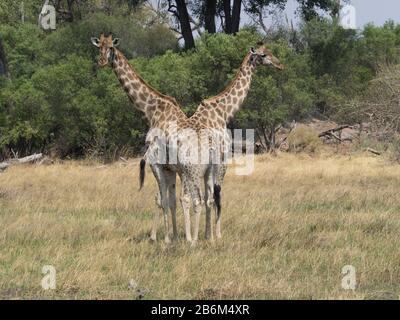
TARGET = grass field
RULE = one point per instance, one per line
(288, 229)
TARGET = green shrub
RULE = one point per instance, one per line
(304, 139)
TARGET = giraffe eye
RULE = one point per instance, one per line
(263, 55)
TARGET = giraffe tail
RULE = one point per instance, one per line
(142, 173)
(217, 198)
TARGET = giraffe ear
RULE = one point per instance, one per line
(252, 50)
(116, 42)
(95, 42)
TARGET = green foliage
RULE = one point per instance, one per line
(11, 11)
(218, 56)
(172, 74)
(380, 45)
(58, 100)
(24, 48)
(304, 139)
(137, 38)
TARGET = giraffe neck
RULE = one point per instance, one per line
(229, 101)
(155, 105)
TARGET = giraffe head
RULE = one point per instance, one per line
(263, 56)
(106, 45)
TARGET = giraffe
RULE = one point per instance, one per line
(217, 111)
(159, 111)
(214, 114)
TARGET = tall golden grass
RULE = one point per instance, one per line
(288, 229)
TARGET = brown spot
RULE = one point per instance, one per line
(171, 117)
(142, 96)
(162, 117)
(235, 100)
(151, 109)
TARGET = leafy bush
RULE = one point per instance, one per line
(58, 100)
(304, 139)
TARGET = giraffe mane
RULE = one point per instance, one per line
(161, 95)
(231, 83)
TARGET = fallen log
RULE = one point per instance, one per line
(331, 132)
(28, 159)
(373, 151)
(31, 158)
(4, 166)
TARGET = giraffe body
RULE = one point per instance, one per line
(192, 136)
(160, 111)
(217, 111)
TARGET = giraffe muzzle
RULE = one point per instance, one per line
(102, 63)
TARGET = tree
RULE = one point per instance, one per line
(3, 60)
(308, 8)
(179, 10)
(257, 9)
(210, 11)
(184, 20)
(232, 15)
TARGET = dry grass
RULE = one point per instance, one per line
(288, 229)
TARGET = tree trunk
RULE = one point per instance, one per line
(272, 143)
(184, 22)
(3, 60)
(266, 138)
(228, 17)
(29, 159)
(237, 7)
(336, 10)
(209, 15)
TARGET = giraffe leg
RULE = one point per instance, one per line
(171, 178)
(197, 213)
(162, 201)
(218, 220)
(197, 204)
(209, 201)
(165, 207)
(185, 202)
(217, 193)
(166, 220)
(153, 234)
